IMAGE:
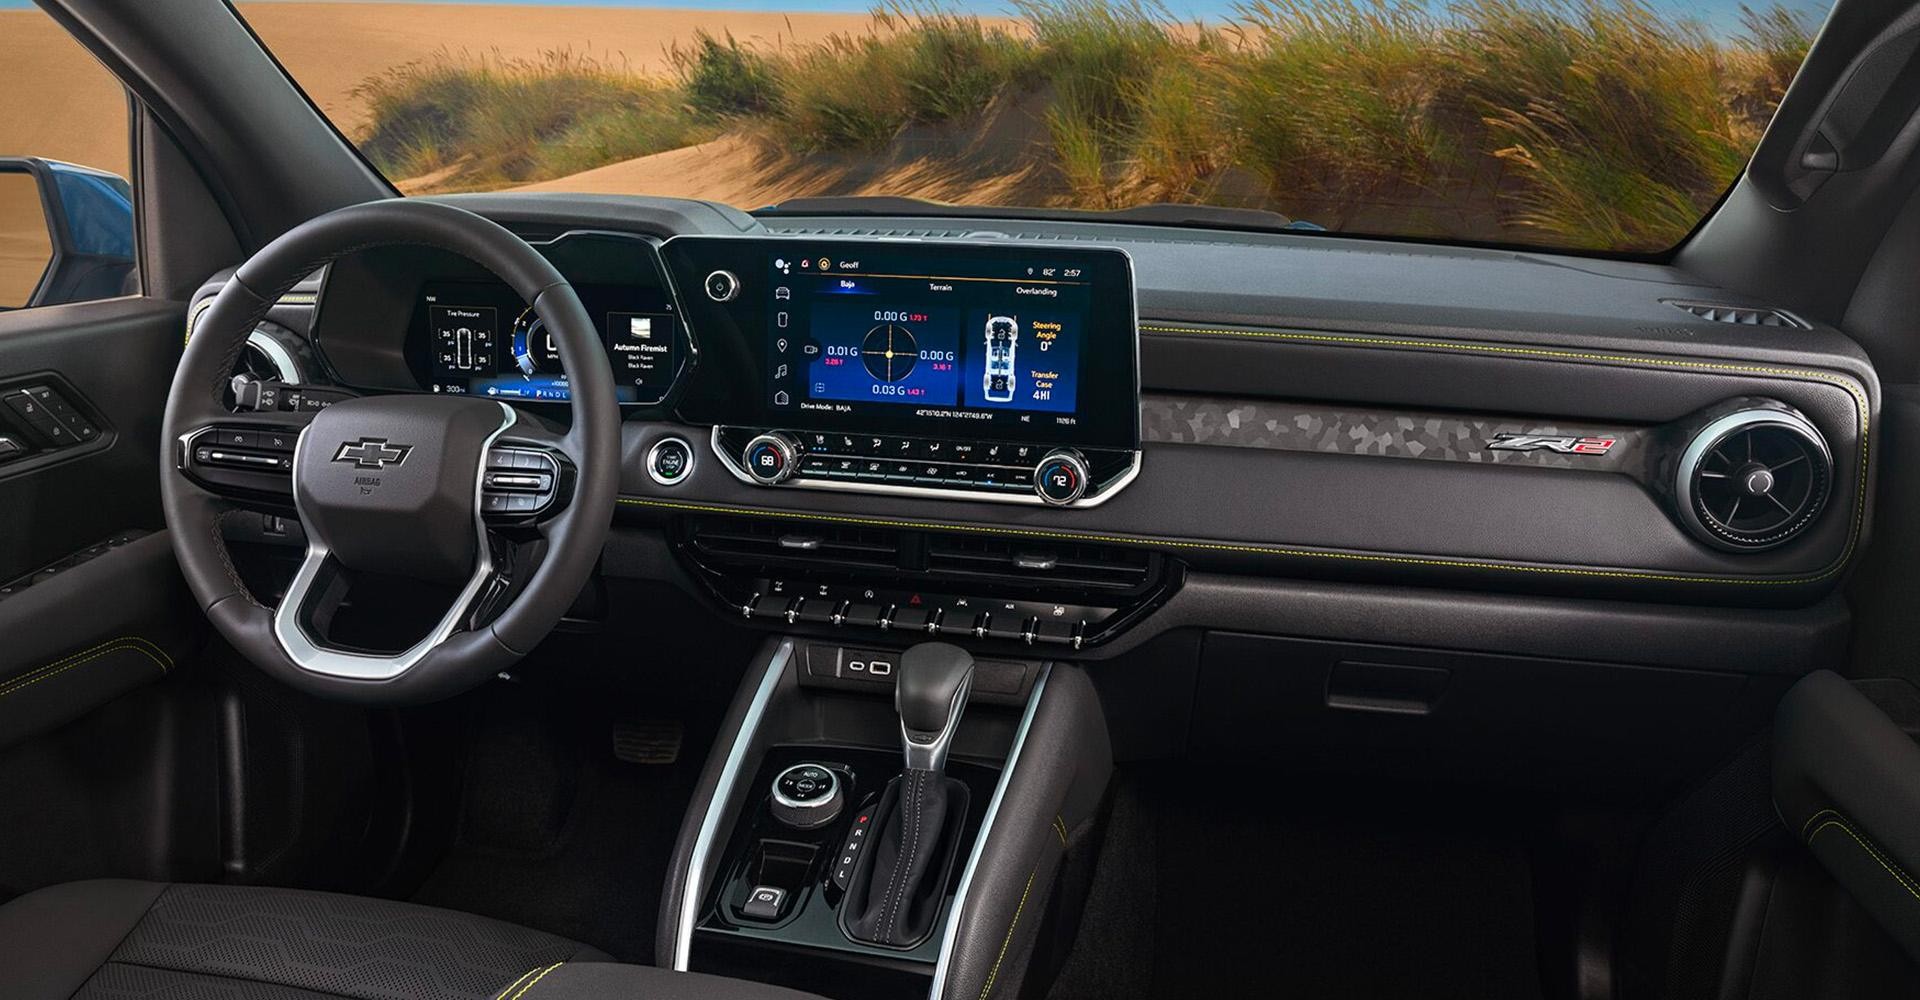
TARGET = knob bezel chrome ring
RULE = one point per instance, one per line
(1080, 471)
(789, 457)
(733, 285)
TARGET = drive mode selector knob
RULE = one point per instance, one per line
(770, 458)
(1061, 477)
(807, 796)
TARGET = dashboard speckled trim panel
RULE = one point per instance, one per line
(1236, 545)
(1288, 426)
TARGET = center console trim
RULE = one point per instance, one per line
(694, 893)
(694, 884)
(951, 935)
(1107, 491)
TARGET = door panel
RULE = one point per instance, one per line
(91, 601)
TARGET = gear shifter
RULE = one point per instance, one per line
(899, 882)
(930, 692)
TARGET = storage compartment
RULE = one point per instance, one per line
(1473, 715)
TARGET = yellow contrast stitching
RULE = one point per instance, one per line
(534, 982)
(1060, 827)
(85, 656)
(1899, 875)
(1808, 825)
(1206, 546)
(511, 985)
(994, 973)
(1850, 386)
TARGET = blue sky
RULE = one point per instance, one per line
(1722, 16)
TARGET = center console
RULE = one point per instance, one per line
(889, 832)
(958, 370)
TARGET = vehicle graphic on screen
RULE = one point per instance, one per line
(1002, 334)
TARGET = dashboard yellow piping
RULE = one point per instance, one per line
(1853, 388)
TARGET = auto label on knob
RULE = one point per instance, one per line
(806, 796)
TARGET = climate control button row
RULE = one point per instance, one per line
(1010, 621)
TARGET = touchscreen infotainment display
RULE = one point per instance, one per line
(1025, 346)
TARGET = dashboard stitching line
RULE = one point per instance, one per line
(1214, 546)
(1851, 386)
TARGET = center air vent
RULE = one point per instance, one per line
(767, 544)
(982, 563)
(1092, 567)
(1754, 478)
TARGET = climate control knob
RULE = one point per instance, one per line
(1061, 477)
(771, 458)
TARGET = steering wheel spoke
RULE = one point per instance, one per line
(246, 458)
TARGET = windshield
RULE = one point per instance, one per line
(1601, 125)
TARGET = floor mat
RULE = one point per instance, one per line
(1268, 887)
(566, 822)
(564, 839)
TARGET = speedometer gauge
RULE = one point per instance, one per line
(533, 349)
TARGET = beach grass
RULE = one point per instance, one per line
(1598, 124)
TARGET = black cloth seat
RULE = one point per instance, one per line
(120, 940)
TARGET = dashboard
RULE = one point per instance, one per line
(1223, 402)
(1532, 474)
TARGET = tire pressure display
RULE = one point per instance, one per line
(991, 343)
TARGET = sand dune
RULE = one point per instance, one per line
(24, 248)
(58, 102)
(331, 47)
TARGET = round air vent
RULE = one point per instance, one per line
(1754, 478)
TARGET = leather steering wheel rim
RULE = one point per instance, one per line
(574, 537)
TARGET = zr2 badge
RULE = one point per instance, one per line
(1564, 444)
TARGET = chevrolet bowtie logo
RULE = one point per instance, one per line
(372, 453)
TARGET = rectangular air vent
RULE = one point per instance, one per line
(1719, 312)
(1055, 564)
(938, 560)
(833, 547)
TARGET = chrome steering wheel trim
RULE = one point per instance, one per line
(310, 655)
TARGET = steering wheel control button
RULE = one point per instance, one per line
(807, 796)
(771, 458)
(518, 482)
(764, 903)
(722, 286)
(1060, 478)
(669, 461)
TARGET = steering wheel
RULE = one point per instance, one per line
(393, 484)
